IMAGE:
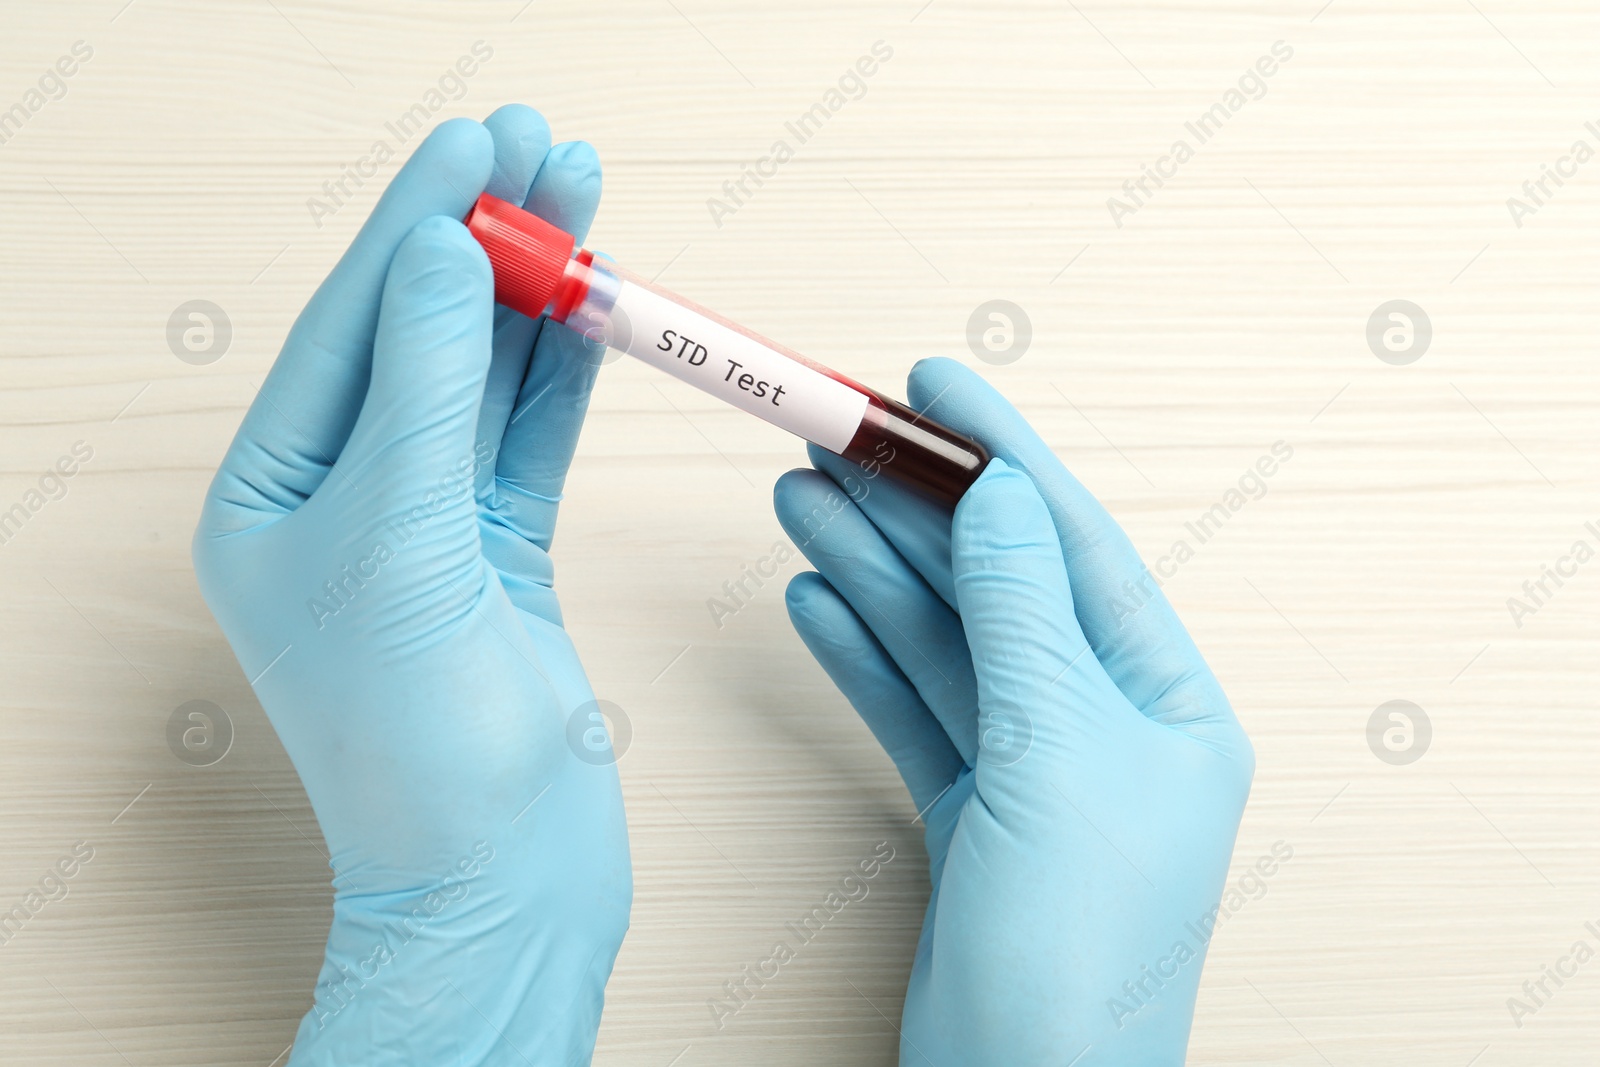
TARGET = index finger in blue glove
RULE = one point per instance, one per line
(561, 186)
(541, 433)
(300, 421)
(521, 145)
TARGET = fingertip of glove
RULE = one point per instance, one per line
(1002, 512)
(579, 159)
(931, 377)
(820, 457)
(521, 145)
(463, 147)
(794, 491)
(519, 120)
(997, 470)
(806, 593)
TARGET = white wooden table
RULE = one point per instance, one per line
(1227, 312)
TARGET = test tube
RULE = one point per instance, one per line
(538, 269)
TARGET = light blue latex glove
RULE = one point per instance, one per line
(375, 549)
(1079, 770)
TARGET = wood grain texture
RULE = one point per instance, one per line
(1229, 312)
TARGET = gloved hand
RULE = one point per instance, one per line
(1078, 768)
(375, 549)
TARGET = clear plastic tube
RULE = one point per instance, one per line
(539, 270)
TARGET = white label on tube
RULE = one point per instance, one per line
(738, 369)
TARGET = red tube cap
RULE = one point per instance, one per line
(528, 255)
